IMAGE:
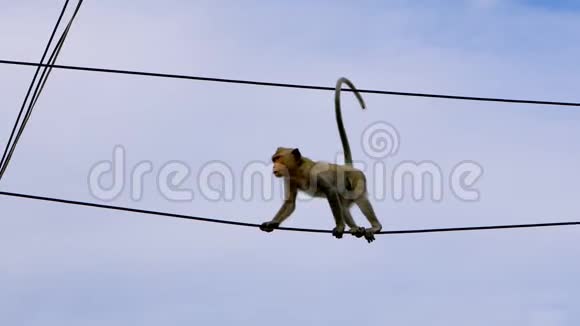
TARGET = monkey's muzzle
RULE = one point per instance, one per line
(279, 170)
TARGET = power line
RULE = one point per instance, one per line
(11, 145)
(55, 28)
(39, 87)
(286, 85)
(236, 223)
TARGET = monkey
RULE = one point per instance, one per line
(341, 185)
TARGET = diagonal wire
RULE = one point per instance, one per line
(51, 64)
(39, 87)
(236, 223)
(32, 83)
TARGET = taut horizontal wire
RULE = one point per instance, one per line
(300, 86)
(212, 220)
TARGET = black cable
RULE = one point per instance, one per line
(32, 83)
(55, 53)
(300, 86)
(39, 87)
(211, 220)
(48, 68)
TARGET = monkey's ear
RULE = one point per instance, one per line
(296, 154)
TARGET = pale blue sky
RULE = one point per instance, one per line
(62, 265)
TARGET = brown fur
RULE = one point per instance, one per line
(341, 185)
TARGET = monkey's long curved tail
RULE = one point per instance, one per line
(343, 137)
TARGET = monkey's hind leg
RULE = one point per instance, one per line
(335, 204)
(355, 230)
(367, 209)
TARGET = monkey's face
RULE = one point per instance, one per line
(285, 161)
(280, 170)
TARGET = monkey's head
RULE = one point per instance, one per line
(286, 160)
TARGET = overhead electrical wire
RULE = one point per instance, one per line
(288, 85)
(38, 89)
(40, 83)
(236, 223)
(17, 122)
